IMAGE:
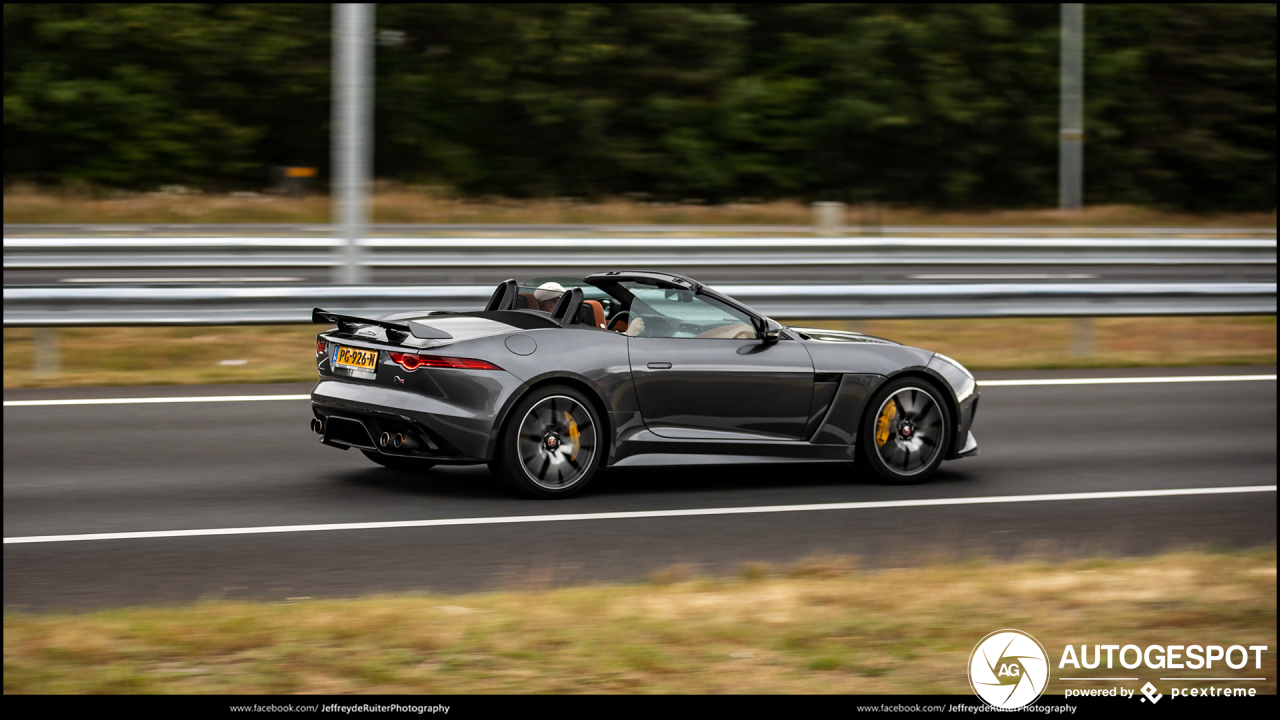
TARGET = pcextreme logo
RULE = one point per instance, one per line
(1008, 669)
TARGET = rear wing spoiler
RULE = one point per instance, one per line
(396, 332)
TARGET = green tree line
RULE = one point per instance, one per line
(940, 105)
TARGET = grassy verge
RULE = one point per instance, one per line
(1044, 343)
(406, 204)
(817, 627)
(200, 355)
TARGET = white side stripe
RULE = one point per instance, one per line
(981, 383)
(644, 514)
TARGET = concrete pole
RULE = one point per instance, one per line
(828, 218)
(352, 156)
(1071, 125)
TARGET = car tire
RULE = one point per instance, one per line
(403, 464)
(540, 451)
(905, 433)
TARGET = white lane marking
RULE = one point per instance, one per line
(1006, 276)
(1114, 495)
(1124, 381)
(136, 401)
(137, 280)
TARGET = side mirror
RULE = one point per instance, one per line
(769, 330)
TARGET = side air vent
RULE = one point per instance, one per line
(849, 338)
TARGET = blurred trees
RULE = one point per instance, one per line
(144, 95)
(945, 105)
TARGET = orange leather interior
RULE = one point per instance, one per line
(527, 301)
(620, 325)
(597, 312)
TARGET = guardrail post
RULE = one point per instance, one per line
(45, 350)
(1081, 337)
(828, 218)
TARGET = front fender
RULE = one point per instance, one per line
(964, 389)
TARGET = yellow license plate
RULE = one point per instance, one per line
(354, 357)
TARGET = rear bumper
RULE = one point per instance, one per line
(970, 447)
(454, 427)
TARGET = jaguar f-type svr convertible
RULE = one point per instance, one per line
(557, 378)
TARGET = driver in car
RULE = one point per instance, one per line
(547, 295)
(635, 323)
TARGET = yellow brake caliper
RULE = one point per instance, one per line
(882, 423)
(573, 435)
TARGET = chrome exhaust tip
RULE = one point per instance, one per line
(317, 427)
(404, 442)
(384, 439)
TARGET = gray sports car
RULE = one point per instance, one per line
(558, 377)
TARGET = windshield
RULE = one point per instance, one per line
(659, 311)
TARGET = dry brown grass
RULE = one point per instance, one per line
(167, 355)
(774, 630)
(394, 203)
(283, 353)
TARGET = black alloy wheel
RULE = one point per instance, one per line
(904, 435)
(551, 445)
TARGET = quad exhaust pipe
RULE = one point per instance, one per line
(395, 441)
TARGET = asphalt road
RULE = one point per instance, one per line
(187, 466)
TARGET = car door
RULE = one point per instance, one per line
(700, 371)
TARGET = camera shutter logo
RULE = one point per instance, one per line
(1008, 669)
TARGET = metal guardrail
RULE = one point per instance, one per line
(542, 230)
(63, 306)
(29, 253)
(138, 303)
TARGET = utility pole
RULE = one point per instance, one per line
(351, 157)
(1071, 124)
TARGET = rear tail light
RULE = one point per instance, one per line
(320, 347)
(411, 362)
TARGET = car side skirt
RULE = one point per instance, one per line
(645, 448)
(663, 459)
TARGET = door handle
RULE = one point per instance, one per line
(659, 366)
